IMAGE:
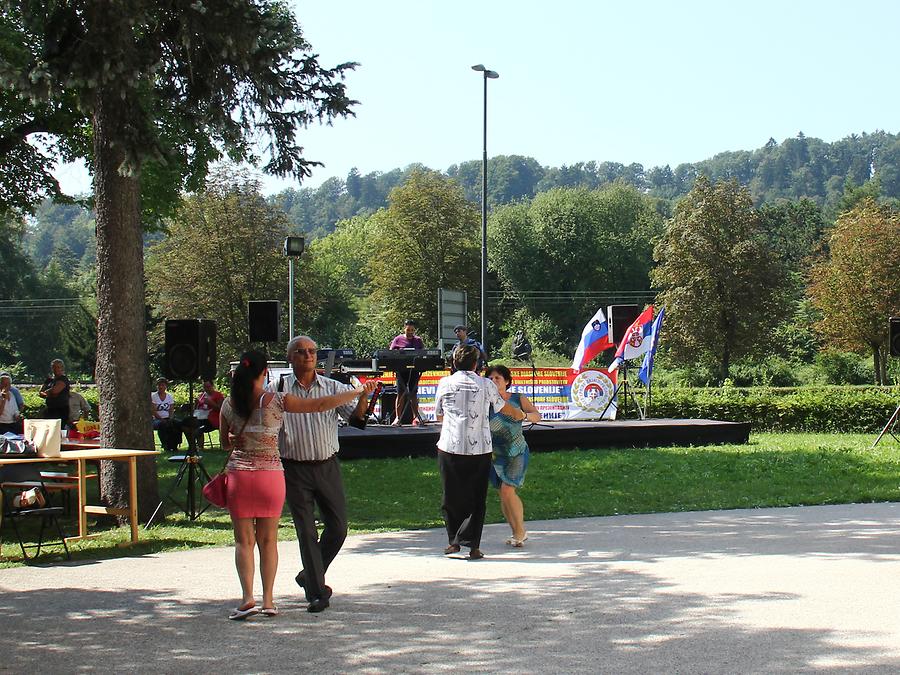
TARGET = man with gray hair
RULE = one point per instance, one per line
(308, 443)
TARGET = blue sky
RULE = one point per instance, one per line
(652, 82)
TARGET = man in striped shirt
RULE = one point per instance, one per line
(309, 444)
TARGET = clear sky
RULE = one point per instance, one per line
(655, 82)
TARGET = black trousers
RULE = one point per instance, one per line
(308, 485)
(169, 433)
(465, 482)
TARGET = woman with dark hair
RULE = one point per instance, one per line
(510, 452)
(249, 424)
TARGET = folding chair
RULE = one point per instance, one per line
(14, 479)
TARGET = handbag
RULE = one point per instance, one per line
(216, 490)
(17, 447)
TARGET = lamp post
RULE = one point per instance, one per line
(293, 248)
(488, 75)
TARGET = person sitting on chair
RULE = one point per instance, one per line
(209, 403)
(79, 408)
(162, 405)
(407, 380)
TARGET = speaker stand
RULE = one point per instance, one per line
(622, 385)
(191, 470)
(889, 428)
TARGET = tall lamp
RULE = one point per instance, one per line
(293, 248)
(488, 75)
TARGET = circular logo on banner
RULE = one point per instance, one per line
(591, 390)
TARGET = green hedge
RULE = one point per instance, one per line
(814, 409)
(857, 409)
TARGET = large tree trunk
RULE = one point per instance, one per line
(122, 372)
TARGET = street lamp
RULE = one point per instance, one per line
(488, 75)
(293, 248)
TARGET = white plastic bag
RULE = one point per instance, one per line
(45, 434)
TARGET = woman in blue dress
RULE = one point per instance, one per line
(510, 459)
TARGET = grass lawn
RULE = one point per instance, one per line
(394, 494)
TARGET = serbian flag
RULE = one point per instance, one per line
(594, 339)
(636, 340)
(647, 365)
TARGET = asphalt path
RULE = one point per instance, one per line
(788, 590)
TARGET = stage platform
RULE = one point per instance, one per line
(385, 441)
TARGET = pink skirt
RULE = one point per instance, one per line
(255, 494)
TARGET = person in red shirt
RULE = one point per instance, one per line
(209, 403)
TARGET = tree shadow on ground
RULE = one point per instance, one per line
(627, 623)
(563, 604)
(648, 538)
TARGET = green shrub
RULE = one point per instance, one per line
(810, 409)
(845, 368)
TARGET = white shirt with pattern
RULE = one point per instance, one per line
(465, 400)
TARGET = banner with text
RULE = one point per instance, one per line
(558, 393)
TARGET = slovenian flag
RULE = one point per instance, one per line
(636, 340)
(647, 365)
(594, 339)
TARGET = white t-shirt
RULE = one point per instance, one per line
(163, 406)
(8, 416)
(465, 400)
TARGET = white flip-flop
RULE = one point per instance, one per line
(238, 614)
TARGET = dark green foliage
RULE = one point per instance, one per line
(844, 368)
(719, 278)
(808, 409)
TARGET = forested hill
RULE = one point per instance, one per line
(797, 167)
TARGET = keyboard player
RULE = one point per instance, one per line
(407, 380)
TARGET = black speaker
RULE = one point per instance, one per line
(620, 317)
(263, 317)
(894, 335)
(190, 349)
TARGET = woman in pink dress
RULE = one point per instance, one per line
(250, 421)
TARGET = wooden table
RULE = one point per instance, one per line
(81, 457)
(79, 444)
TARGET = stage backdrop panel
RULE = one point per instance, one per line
(559, 393)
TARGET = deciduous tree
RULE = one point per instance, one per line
(428, 238)
(721, 282)
(856, 286)
(573, 241)
(149, 93)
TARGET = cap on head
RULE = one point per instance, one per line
(460, 327)
(409, 322)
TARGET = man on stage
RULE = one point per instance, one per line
(308, 443)
(462, 334)
(407, 380)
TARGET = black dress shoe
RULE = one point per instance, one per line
(452, 548)
(317, 605)
(476, 554)
(301, 579)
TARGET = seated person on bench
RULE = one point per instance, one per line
(209, 403)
